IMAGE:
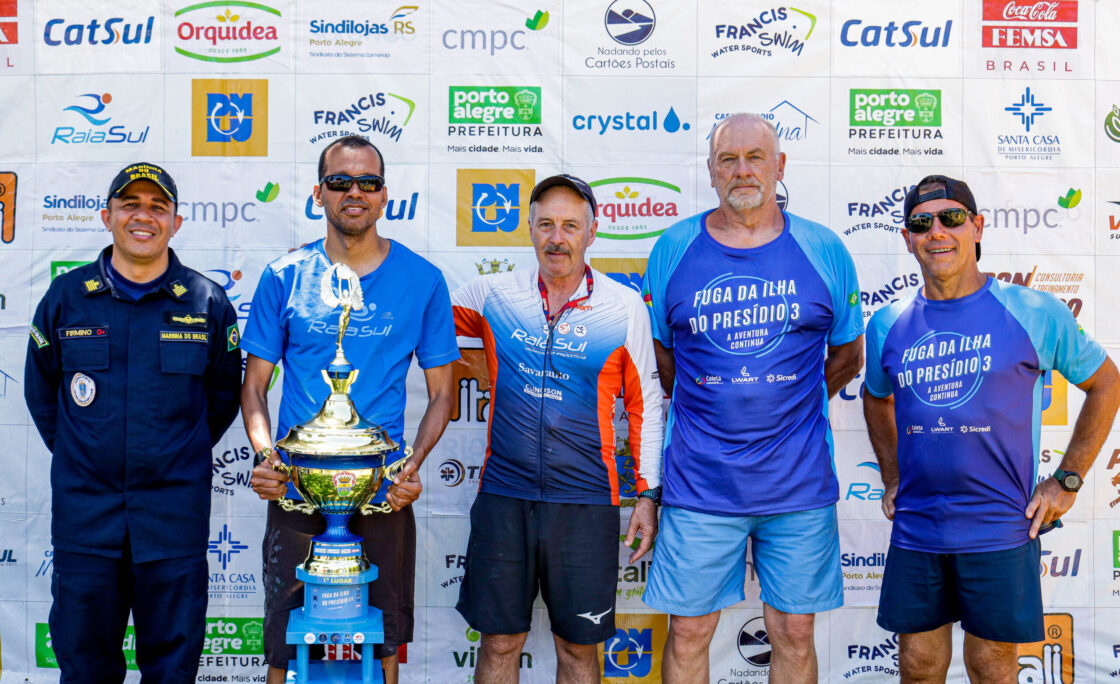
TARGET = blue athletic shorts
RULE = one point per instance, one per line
(700, 561)
(996, 595)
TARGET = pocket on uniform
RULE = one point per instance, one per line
(182, 357)
(85, 355)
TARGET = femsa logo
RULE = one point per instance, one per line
(244, 32)
(114, 31)
(1030, 25)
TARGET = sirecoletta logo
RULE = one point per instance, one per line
(244, 32)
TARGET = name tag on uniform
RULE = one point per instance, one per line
(183, 336)
(83, 333)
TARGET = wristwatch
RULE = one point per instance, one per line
(1069, 480)
(653, 494)
(261, 456)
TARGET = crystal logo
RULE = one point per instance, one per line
(229, 117)
(908, 34)
(1031, 25)
(490, 204)
(773, 31)
(91, 107)
(112, 32)
(244, 32)
(630, 22)
(634, 208)
(1027, 109)
(668, 122)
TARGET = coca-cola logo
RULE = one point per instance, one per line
(1056, 11)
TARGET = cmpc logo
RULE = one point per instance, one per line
(114, 31)
(630, 22)
(91, 108)
(914, 33)
(229, 118)
(244, 32)
(490, 204)
(668, 122)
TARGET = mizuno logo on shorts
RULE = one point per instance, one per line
(594, 618)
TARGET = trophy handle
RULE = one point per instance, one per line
(287, 505)
(390, 471)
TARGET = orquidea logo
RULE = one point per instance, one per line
(634, 208)
(229, 117)
(489, 207)
(228, 32)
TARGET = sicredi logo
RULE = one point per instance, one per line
(92, 109)
(112, 31)
(229, 118)
(8, 181)
(243, 32)
(9, 30)
(633, 208)
(494, 105)
(493, 207)
(855, 33)
(1034, 25)
(773, 31)
(630, 22)
(668, 122)
(894, 107)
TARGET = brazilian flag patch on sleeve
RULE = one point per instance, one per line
(39, 338)
(233, 337)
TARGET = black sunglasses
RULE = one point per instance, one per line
(923, 221)
(342, 183)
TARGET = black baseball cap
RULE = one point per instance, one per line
(940, 187)
(148, 172)
(577, 184)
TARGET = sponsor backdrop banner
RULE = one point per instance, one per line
(471, 104)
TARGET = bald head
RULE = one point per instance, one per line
(742, 120)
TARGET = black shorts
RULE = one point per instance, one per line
(567, 551)
(996, 595)
(389, 541)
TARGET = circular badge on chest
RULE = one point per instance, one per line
(83, 389)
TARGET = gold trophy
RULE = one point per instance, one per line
(337, 463)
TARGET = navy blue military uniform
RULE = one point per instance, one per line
(130, 397)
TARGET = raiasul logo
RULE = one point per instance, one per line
(894, 107)
(244, 32)
(1072, 199)
(537, 22)
(1027, 109)
(494, 105)
(1112, 124)
(629, 121)
(113, 31)
(90, 107)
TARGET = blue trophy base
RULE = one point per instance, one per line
(336, 612)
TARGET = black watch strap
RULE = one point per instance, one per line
(261, 456)
(653, 494)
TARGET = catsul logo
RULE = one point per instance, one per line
(227, 32)
(632, 208)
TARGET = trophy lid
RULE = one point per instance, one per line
(337, 429)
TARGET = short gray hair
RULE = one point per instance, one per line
(742, 116)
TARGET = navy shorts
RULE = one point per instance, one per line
(569, 552)
(996, 595)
